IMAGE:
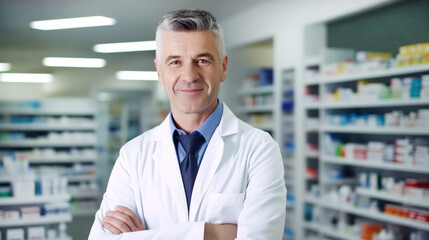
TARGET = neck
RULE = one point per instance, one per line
(190, 122)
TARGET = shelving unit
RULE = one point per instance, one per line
(362, 134)
(371, 214)
(288, 149)
(36, 200)
(56, 136)
(13, 203)
(260, 115)
(268, 107)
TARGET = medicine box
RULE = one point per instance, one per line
(15, 234)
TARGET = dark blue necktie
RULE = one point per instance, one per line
(189, 166)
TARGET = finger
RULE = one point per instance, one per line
(117, 223)
(122, 218)
(111, 228)
(132, 215)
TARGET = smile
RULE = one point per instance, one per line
(191, 91)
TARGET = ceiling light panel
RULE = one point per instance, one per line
(26, 77)
(74, 62)
(137, 75)
(4, 67)
(125, 47)
(67, 23)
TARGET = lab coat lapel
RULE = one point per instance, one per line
(165, 161)
(211, 160)
(206, 172)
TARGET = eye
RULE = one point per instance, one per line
(174, 62)
(202, 61)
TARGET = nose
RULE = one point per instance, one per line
(190, 72)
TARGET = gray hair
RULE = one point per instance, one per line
(189, 20)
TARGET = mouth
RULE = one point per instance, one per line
(191, 91)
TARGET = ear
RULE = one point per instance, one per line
(158, 71)
(224, 67)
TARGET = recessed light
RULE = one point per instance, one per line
(4, 67)
(137, 75)
(66, 23)
(26, 77)
(74, 62)
(125, 47)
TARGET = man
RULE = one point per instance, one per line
(202, 173)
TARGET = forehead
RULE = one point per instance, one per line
(185, 43)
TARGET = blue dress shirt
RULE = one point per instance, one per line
(206, 129)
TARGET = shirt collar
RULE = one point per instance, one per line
(207, 128)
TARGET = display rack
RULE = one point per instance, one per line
(288, 149)
(56, 136)
(319, 191)
(14, 204)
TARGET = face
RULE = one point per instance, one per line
(191, 71)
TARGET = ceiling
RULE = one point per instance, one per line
(136, 21)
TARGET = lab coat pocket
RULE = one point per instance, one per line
(224, 208)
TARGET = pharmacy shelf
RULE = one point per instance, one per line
(257, 90)
(396, 71)
(33, 200)
(338, 181)
(62, 159)
(83, 194)
(312, 61)
(48, 127)
(62, 238)
(414, 201)
(371, 104)
(312, 105)
(256, 109)
(328, 231)
(83, 212)
(375, 130)
(36, 220)
(45, 112)
(376, 165)
(376, 215)
(311, 154)
(82, 178)
(46, 143)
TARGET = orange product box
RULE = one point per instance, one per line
(369, 229)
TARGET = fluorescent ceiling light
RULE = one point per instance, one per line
(74, 62)
(66, 23)
(125, 47)
(4, 67)
(26, 77)
(137, 75)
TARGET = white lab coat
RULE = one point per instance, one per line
(240, 181)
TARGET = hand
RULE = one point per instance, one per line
(220, 231)
(122, 220)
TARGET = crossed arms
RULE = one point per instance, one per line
(123, 220)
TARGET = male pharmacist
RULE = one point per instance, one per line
(202, 173)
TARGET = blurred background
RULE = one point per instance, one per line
(341, 85)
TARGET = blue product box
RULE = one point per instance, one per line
(266, 77)
(287, 106)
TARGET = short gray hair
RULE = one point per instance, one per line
(189, 20)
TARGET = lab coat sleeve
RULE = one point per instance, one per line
(120, 192)
(264, 210)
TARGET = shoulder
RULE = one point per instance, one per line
(142, 138)
(253, 134)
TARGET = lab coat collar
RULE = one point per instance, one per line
(228, 125)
